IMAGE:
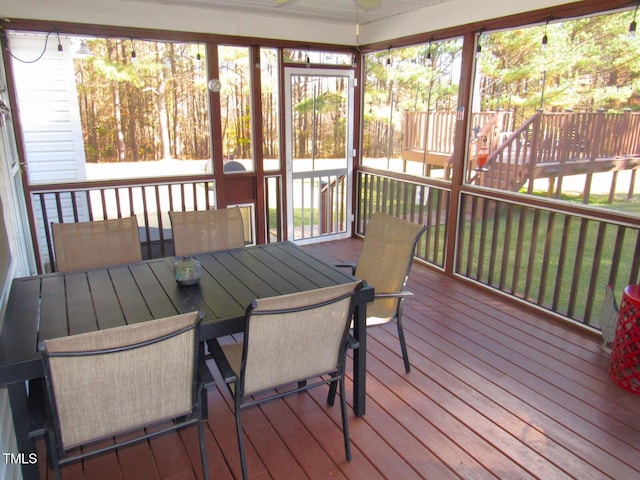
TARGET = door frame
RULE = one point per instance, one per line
(350, 151)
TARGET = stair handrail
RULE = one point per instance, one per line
(508, 142)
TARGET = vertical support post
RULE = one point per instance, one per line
(460, 147)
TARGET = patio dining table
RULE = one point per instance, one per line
(61, 304)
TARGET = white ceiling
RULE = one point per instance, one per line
(334, 11)
(310, 21)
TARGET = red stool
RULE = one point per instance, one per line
(624, 368)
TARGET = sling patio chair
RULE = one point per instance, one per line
(121, 380)
(206, 230)
(384, 263)
(85, 245)
(291, 343)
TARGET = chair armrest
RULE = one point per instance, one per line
(402, 294)
(352, 266)
(352, 343)
(221, 360)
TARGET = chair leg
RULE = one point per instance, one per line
(403, 344)
(56, 471)
(53, 461)
(203, 448)
(202, 411)
(243, 459)
(331, 397)
(345, 420)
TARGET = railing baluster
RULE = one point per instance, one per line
(103, 202)
(421, 191)
(159, 211)
(506, 247)
(440, 222)
(517, 262)
(430, 235)
(559, 278)
(532, 254)
(59, 207)
(471, 236)
(546, 257)
(493, 251)
(483, 237)
(577, 269)
(595, 268)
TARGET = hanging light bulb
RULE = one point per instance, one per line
(198, 57)
(60, 49)
(633, 25)
(389, 57)
(133, 52)
(429, 57)
(545, 39)
(83, 51)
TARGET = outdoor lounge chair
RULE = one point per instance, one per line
(84, 245)
(121, 380)
(297, 340)
(384, 262)
(206, 230)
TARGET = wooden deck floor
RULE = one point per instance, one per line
(495, 392)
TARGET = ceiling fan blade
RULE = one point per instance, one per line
(367, 5)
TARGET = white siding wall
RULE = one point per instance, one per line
(50, 114)
(49, 110)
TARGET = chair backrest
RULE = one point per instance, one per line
(110, 381)
(293, 337)
(102, 243)
(206, 230)
(386, 257)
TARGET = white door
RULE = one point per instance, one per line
(319, 155)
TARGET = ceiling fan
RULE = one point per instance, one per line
(365, 5)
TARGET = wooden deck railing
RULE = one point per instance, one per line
(333, 196)
(559, 261)
(320, 203)
(547, 145)
(554, 257)
(555, 145)
(570, 136)
(435, 131)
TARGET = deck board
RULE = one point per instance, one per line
(496, 391)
